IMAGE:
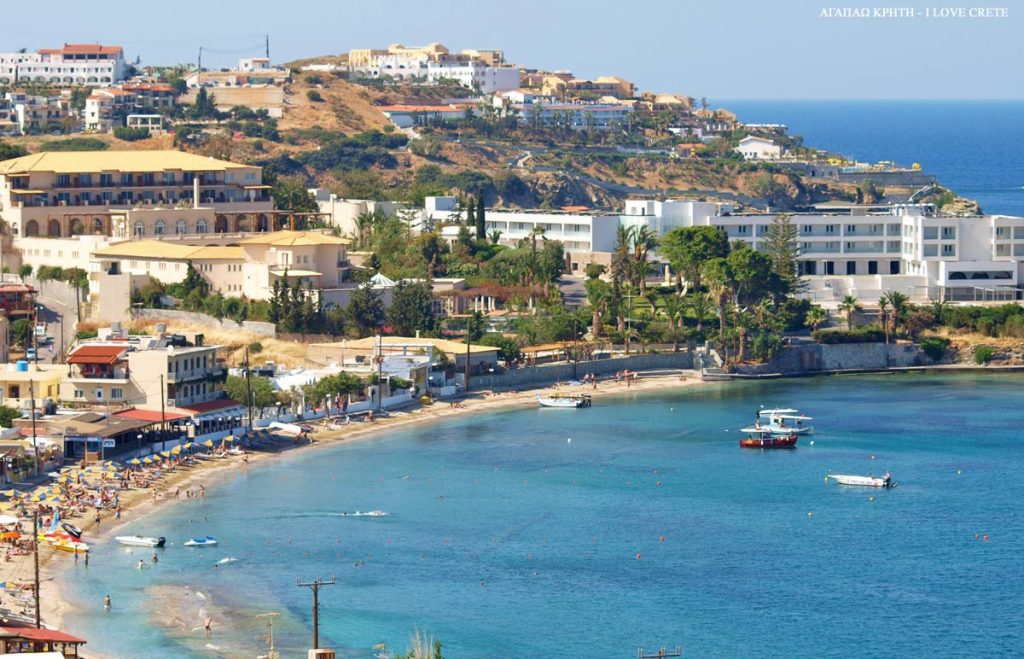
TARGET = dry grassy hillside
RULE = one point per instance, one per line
(345, 107)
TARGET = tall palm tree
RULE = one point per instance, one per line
(848, 307)
(883, 307)
(743, 321)
(644, 240)
(622, 255)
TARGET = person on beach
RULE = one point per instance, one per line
(117, 513)
(208, 627)
(155, 559)
(106, 602)
(202, 491)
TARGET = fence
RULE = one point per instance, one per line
(545, 373)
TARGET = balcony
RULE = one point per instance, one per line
(215, 374)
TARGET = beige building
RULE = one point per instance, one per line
(246, 268)
(61, 194)
(482, 358)
(17, 386)
(614, 86)
(176, 372)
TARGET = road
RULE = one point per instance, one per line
(52, 311)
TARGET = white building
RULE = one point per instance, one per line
(758, 148)
(73, 64)
(546, 112)
(907, 248)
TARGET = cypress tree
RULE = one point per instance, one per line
(481, 220)
(470, 213)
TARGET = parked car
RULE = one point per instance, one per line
(30, 354)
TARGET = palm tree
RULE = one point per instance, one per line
(849, 306)
(815, 318)
(939, 308)
(718, 280)
(699, 305)
(883, 307)
(622, 255)
(900, 304)
(743, 320)
(644, 240)
(674, 308)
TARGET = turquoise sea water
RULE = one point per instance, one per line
(504, 539)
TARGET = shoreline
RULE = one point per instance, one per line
(139, 503)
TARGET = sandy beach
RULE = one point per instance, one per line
(137, 503)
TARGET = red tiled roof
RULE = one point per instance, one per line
(40, 635)
(82, 49)
(96, 354)
(211, 405)
(149, 415)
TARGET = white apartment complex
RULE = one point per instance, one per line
(545, 111)
(73, 64)
(483, 69)
(758, 148)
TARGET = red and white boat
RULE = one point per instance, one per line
(764, 438)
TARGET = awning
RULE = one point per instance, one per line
(28, 191)
(300, 273)
(152, 416)
(256, 187)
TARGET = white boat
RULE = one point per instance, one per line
(206, 541)
(783, 421)
(863, 481)
(560, 400)
(140, 541)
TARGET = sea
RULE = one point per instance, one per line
(637, 523)
(973, 147)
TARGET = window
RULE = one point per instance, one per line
(200, 226)
(99, 393)
(116, 393)
(949, 250)
(851, 267)
(140, 229)
(158, 228)
(79, 393)
(949, 233)
(851, 228)
(931, 233)
(181, 227)
(830, 228)
(894, 267)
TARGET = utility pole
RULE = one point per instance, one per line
(32, 403)
(315, 587)
(575, 347)
(163, 415)
(35, 543)
(248, 387)
(469, 337)
(199, 68)
(380, 371)
(266, 51)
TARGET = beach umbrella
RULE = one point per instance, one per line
(8, 519)
(166, 454)
(9, 585)
(229, 438)
(208, 443)
(176, 450)
(156, 457)
(147, 459)
(189, 445)
(10, 493)
(136, 461)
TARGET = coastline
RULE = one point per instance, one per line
(138, 503)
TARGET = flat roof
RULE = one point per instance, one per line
(295, 239)
(159, 249)
(71, 162)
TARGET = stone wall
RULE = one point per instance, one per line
(549, 373)
(192, 317)
(815, 358)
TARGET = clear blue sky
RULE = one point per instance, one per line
(718, 48)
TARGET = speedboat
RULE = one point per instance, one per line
(783, 421)
(70, 546)
(141, 541)
(205, 541)
(560, 400)
(885, 481)
(763, 438)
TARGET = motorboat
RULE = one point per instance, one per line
(141, 541)
(72, 530)
(885, 481)
(205, 541)
(562, 400)
(759, 437)
(783, 421)
(70, 546)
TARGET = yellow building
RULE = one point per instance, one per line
(43, 379)
(559, 86)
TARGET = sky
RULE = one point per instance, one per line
(719, 49)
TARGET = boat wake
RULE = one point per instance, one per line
(368, 513)
(225, 561)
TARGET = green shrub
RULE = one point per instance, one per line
(86, 334)
(75, 144)
(935, 347)
(131, 134)
(314, 96)
(863, 334)
(255, 347)
(983, 354)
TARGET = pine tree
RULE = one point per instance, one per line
(274, 313)
(481, 220)
(782, 248)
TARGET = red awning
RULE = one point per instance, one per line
(96, 354)
(39, 635)
(149, 415)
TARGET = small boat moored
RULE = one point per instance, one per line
(764, 438)
(205, 541)
(562, 400)
(885, 481)
(141, 541)
(783, 421)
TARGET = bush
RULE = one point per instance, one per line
(864, 334)
(314, 96)
(8, 415)
(314, 80)
(935, 347)
(983, 354)
(255, 347)
(86, 334)
(75, 144)
(131, 134)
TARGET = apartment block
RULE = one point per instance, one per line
(72, 64)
